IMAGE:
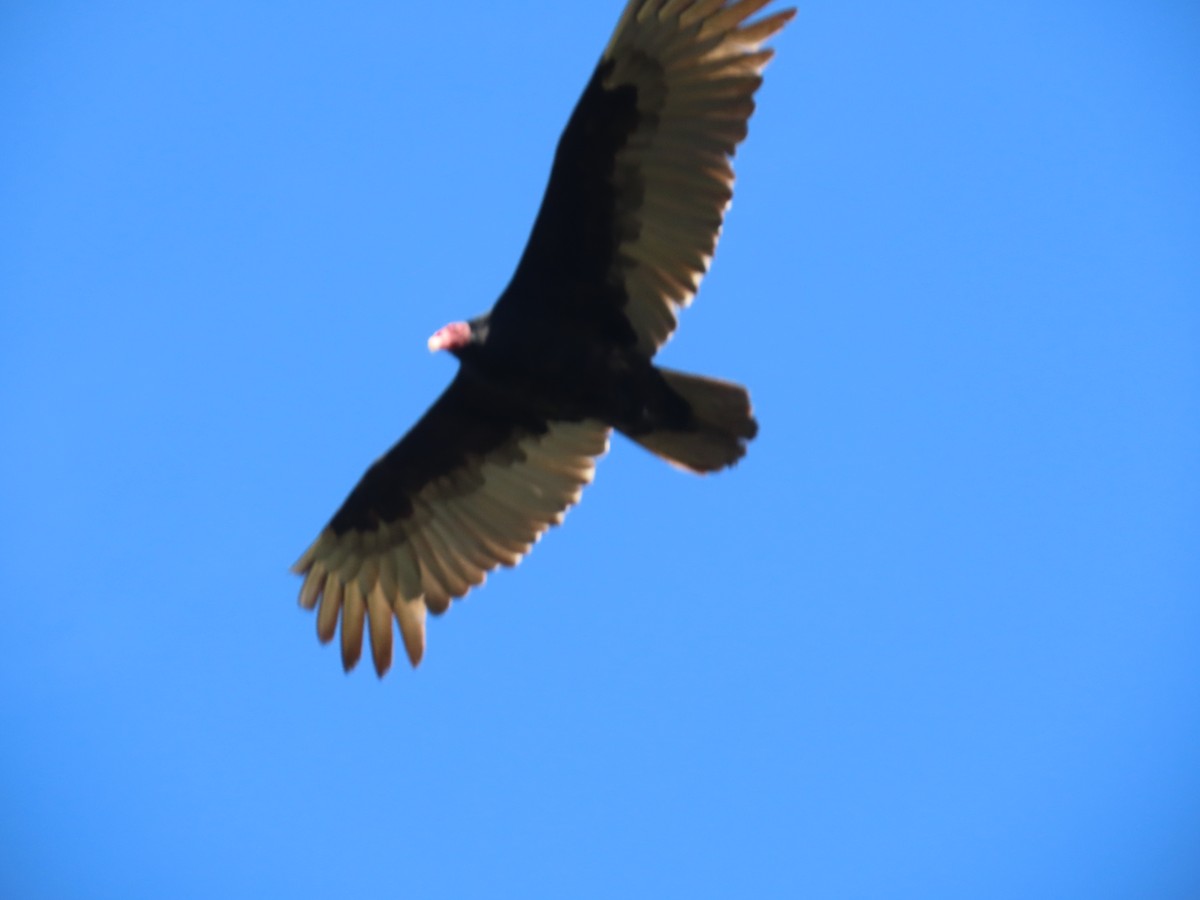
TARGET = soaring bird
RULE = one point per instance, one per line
(627, 228)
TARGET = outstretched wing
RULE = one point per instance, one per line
(472, 486)
(642, 176)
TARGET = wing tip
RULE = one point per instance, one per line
(315, 550)
(410, 615)
(354, 611)
(379, 618)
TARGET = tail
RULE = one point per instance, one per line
(720, 426)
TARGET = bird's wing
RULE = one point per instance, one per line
(472, 486)
(642, 176)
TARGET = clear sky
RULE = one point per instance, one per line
(937, 635)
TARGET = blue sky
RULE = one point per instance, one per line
(935, 637)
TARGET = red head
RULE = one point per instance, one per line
(454, 336)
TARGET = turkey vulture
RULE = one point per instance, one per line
(627, 227)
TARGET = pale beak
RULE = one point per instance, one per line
(450, 337)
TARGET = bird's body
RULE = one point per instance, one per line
(575, 380)
(627, 227)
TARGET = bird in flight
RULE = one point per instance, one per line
(627, 228)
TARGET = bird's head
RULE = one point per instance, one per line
(451, 337)
(459, 336)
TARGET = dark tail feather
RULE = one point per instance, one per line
(721, 424)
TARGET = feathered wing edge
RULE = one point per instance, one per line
(696, 65)
(489, 513)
